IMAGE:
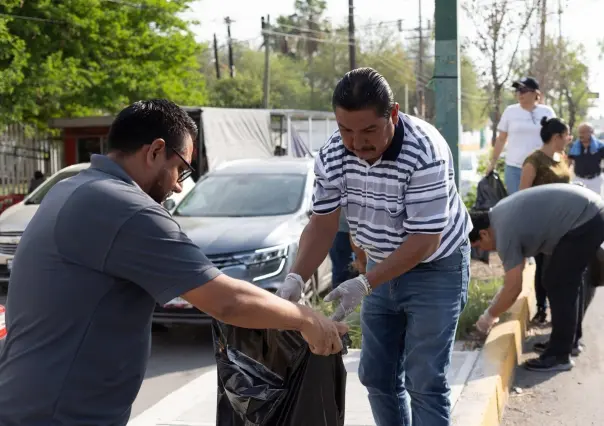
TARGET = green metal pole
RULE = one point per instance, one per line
(447, 84)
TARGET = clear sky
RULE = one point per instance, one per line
(582, 21)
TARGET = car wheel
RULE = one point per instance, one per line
(310, 295)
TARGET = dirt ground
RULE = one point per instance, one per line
(482, 271)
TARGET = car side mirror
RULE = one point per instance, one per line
(169, 204)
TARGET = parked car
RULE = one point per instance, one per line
(2, 326)
(468, 172)
(15, 219)
(247, 217)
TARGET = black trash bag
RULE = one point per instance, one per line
(270, 378)
(489, 192)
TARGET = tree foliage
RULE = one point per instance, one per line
(79, 57)
(499, 29)
(309, 55)
(567, 78)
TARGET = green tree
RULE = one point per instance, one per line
(288, 88)
(474, 98)
(499, 29)
(574, 77)
(90, 56)
(567, 78)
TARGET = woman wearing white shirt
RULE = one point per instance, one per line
(519, 126)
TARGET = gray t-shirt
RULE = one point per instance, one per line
(88, 271)
(533, 220)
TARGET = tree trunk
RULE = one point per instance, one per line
(572, 109)
(496, 116)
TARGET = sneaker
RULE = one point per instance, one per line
(542, 346)
(540, 317)
(549, 363)
(577, 349)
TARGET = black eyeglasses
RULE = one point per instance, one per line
(185, 173)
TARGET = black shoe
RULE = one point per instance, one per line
(549, 363)
(540, 317)
(542, 346)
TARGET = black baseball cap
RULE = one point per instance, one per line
(528, 82)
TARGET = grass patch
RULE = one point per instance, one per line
(480, 294)
(353, 321)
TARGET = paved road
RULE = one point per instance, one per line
(177, 357)
(569, 398)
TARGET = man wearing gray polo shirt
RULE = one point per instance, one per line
(96, 257)
(393, 176)
(564, 221)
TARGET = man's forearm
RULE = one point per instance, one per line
(507, 296)
(315, 242)
(415, 249)
(242, 304)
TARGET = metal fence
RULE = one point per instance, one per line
(24, 150)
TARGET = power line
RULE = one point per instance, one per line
(35, 19)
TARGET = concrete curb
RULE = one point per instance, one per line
(486, 392)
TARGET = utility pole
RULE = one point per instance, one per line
(446, 76)
(228, 21)
(420, 67)
(561, 58)
(543, 24)
(352, 45)
(216, 60)
(266, 26)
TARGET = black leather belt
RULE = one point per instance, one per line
(591, 176)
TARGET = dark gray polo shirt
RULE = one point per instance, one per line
(88, 270)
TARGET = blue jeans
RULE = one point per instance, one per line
(512, 178)
(408, 327)
(341, 256)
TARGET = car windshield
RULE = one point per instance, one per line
(465, 162)
(239, 195)
(38, 196)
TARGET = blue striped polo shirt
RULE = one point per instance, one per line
(409, 190)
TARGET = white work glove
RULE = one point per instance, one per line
(349, 294)
(486, 322)
(291, 289)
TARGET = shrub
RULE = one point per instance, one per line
(353, 321)
(480, 294)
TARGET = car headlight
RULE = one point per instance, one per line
(267, 262)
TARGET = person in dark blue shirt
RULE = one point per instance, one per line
(585, 154)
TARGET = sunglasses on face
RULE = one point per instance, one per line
(523, 90)
(186, 172)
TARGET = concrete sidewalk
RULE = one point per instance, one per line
(195, 403)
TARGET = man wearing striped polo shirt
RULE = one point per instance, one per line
(393, 176)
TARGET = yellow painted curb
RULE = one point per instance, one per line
(484, 397)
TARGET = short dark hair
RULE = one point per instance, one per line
(551, 127)
(143, 122)
(480, 222)
(363, 88)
